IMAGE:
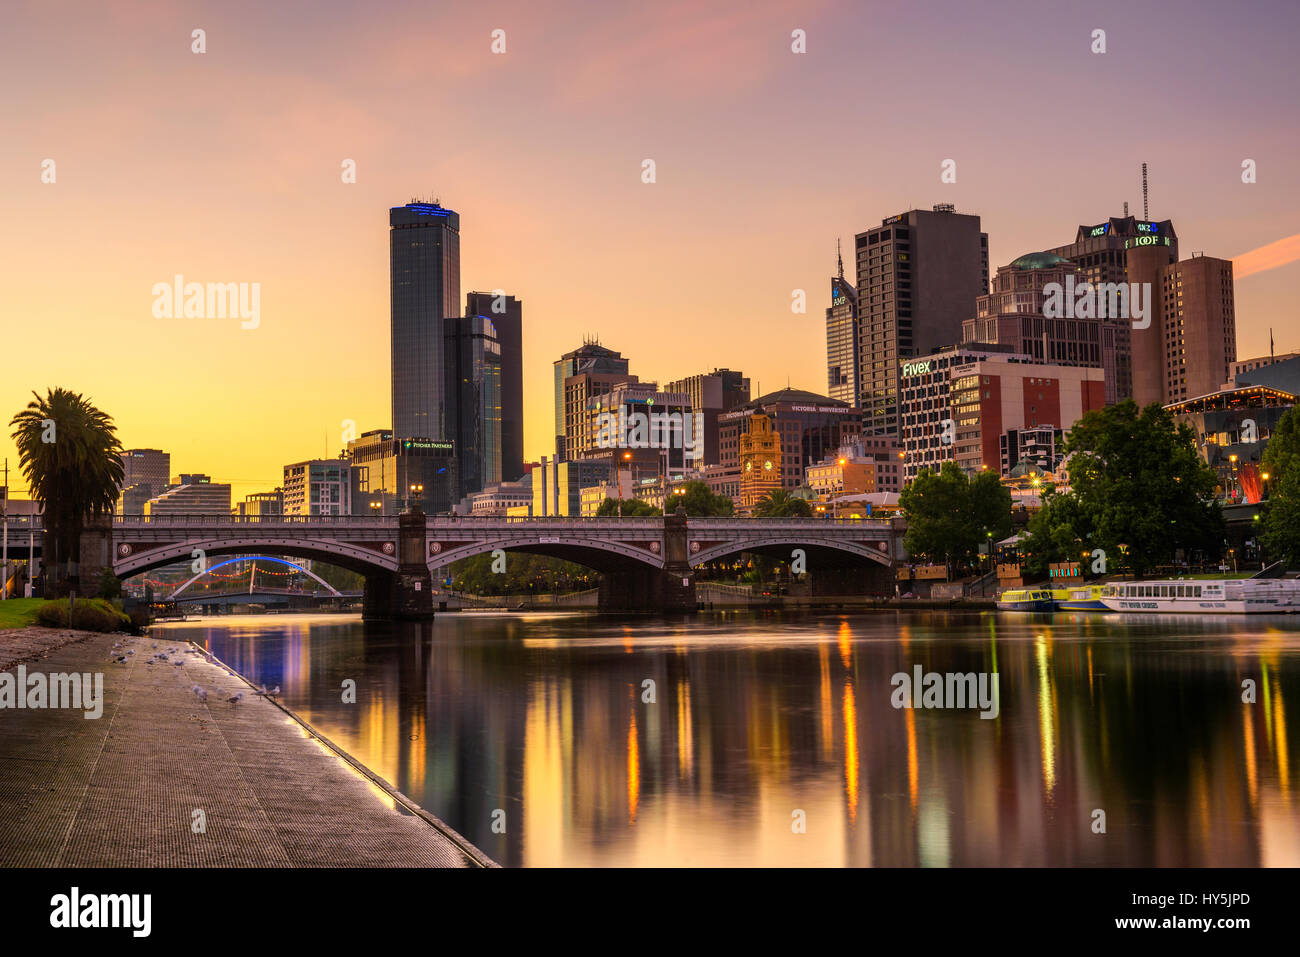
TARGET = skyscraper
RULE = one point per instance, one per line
(1195, 301)
(591, 359)
(919, 274)
(473, 379)
(1124, 249)
(424, 265)
(842, 339)
(506, 313)
(711, 394)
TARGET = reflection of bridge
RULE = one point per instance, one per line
(647, 563)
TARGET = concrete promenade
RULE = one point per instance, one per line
(122, 790)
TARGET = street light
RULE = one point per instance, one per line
(416, 490)
(376, 507)
(1264, 476)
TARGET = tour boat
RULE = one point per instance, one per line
(1232, 596)
(1026, 599)
(1084, 598)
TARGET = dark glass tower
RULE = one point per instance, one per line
(424, 267)
(474, 406)
(506, 313)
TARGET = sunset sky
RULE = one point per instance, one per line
(225, 167)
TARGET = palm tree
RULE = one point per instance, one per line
(72, 460)
(779, 503)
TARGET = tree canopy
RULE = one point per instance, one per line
(951, 514)
(1280, 522)
(72, 460)
(779, 503)
(1138, 491)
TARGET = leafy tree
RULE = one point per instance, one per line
(71, 458)
(524, 574)
(1135, 480)
(110, 586)
(779, 503)
(949, 514)
(1280, 521)
(628, 506)
(698, 500)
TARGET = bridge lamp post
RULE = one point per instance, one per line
(416, 491)
(376, 508)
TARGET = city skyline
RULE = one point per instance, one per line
(746, 207)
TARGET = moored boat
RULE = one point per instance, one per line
(1082, 598)
(1231, 596)
(1026, 599)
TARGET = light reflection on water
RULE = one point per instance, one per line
(757, 717)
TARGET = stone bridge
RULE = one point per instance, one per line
(647, 564)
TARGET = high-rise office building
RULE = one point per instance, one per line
(318, 487)
(842, 341)
(146, 473)
(194, 494)
(424, 265)
(385, 468)
(919, 274)
(474, 400)
(1013, 315)
(1198, 314)
(1123, 249)
(710, 394)
(606, 366)
(959, 404)
(506, 313)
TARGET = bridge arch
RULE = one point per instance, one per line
(864, 552)
(255, 559)
(590, 552)
(353, 557)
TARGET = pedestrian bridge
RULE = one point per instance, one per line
(647, 563)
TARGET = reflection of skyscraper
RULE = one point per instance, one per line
(424, 264)
(506, 313)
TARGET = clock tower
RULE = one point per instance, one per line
(760, 461)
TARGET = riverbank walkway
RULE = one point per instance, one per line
(163, 779)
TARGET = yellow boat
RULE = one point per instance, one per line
(1080, 598)
(1026, 599)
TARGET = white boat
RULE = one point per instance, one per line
(1229, 596)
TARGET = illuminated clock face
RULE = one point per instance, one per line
(749, 466)
(768, 465)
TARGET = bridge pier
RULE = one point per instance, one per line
(407, 594)
(642, 588)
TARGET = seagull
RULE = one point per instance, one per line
(179, 664)
(122, 660)
(130, 651)
(202, 695)
(235, 698)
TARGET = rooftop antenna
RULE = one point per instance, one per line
(1126, 209)
(839, 257)
(1145, 215)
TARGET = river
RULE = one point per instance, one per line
(768, 738)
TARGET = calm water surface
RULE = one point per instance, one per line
(757, 717)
